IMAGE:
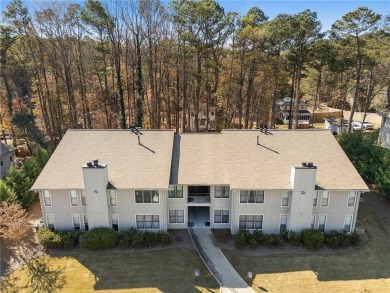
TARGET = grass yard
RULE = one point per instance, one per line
(169, 270)
(364, 270)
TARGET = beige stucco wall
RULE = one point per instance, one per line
(336, 210)
(271, 209)
(62, 209)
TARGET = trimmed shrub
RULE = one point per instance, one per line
(48, 238)
(99, 238)
(252, 242)
(277, 240)
(312, 239)
(242, 238)
(138, 240)
(334, 238)
(355, 239)
(259, 236)
(267, 240)
(294, 238)
(67, 239)
(285, 235)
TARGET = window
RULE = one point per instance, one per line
(351, 199)
(221, 192)
(348, 223)
(252, 196)
(113, 198)
(47, 198)
(115, 222)
(83, 198)
(50, 221)
(73, 198)
(315, 199)
(325, 199)
(148, 222)
(283, 223)
(175, 191)
(76, 222)
(251, 222)
(285, 198)
(221, 216)
(146, 196)
(10, 158)
(1, 163)
(321, 223)
(313, 220)
(85, 219)
(176, 216)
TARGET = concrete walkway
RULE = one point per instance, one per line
(232, 281)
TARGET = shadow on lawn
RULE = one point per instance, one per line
(168, 270)
(370, 261)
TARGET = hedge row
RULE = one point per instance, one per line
(309, 238)
(370, 160)
(101, 238)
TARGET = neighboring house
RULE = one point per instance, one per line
(231, 180)
(337, 126)
(6, 159)
(283, 113)
(384, 131)
(202, 121)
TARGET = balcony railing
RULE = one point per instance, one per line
(199, 197)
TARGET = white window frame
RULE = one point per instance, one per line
(143, 215)
(326, 218)
(254, 221)
(328, 198)
(248, 195)
(47, 192)
(280, 222)
(221, 216)
(354, 199)
(313, 221)
(77, 216)
(350, 224)
(222, 190)
(143, 196)
(115, 197)
(85, 216)
(175, 189)
(285, 195)
(176, 216)
(83, 195)
(47, 221)
(112, 223)
(73, 192)
(315, 198)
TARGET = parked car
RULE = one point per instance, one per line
(367, 125)
(357, 126)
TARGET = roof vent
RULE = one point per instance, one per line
(310, 164)
(89, 165)
(95, 163)
(304, 164)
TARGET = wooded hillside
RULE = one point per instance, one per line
(113, 64)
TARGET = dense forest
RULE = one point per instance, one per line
(116, 64)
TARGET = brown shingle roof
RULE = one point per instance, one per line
(129, 164)
(231, 157)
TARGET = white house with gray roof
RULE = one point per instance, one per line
(159, 180)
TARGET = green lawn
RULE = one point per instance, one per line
(364, 270)
(169, 270)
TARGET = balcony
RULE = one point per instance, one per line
(199, 198)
